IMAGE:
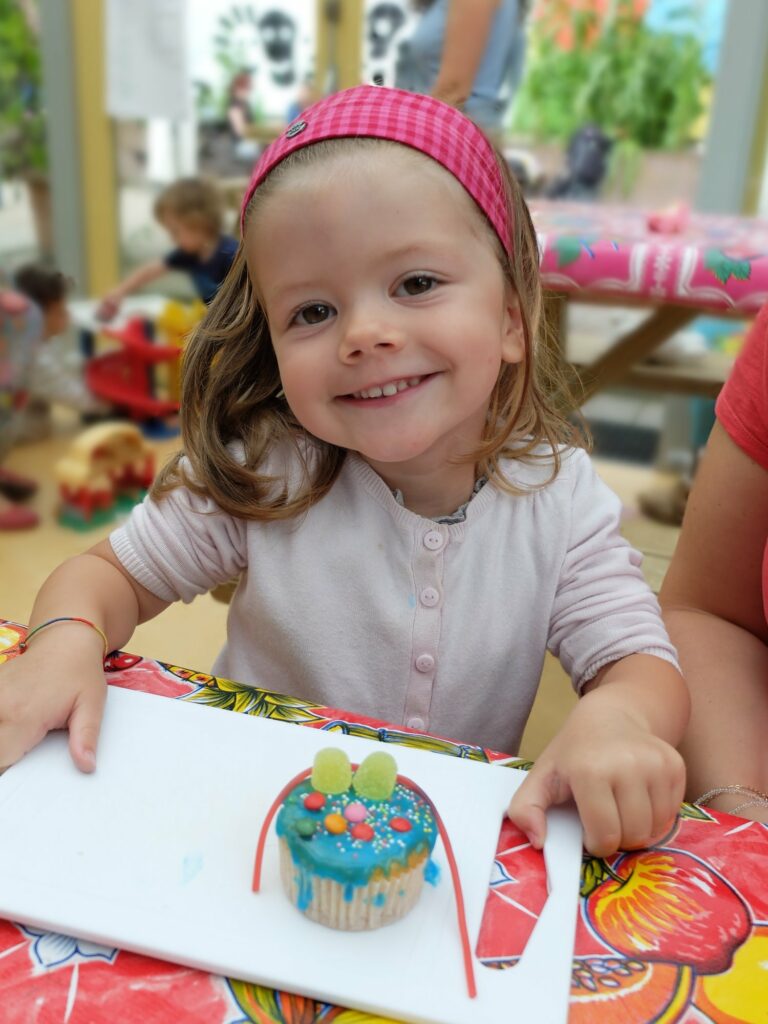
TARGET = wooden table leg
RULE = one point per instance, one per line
(634, 347)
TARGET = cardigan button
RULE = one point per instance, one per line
(429, 597)
(416, 722)
(434, 540)
(425, 663)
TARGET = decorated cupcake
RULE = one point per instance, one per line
(354, 847)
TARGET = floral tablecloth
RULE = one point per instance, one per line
(715, 263)
(678, 933)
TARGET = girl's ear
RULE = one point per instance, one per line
(513, 334)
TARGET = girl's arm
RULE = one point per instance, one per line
(59, 681)
(615, 757)
(467, 30)
(712, 600)
(110, 304)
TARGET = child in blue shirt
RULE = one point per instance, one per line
(190, 211)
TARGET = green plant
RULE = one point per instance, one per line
(640, 87)
(22, 120)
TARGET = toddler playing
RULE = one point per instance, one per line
(190, 211)
(370, 443)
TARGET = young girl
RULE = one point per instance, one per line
(370, 446)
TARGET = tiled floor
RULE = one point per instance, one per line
(192, 635)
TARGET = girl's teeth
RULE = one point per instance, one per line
(388, 389)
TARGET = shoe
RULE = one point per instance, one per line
(666, 504)
(18, 517)
(16, 487)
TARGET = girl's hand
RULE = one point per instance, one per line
(627, 783)
(53, 687)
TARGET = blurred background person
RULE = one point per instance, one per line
(34, 312)
(469, 53)
(240, 116)
(191, 212)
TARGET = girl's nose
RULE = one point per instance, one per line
(364, 335)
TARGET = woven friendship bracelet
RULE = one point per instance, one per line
(65, 618)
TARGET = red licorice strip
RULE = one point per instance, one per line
(405, 781)
(460, 912)
(267, 821)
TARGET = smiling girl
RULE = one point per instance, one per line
(371, 445)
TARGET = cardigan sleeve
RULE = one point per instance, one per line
(603, 610)
(180, 546)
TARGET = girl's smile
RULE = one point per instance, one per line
(378, 394)
(388, 310)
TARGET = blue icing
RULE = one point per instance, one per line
(346, 860)
(379, 899)
(431, 872)
(304, 883)
(349, 892)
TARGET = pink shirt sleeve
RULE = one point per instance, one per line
(742, 407)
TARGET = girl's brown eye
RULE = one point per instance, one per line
(418, 284)
(314, 314)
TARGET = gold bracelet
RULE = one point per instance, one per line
(65, 618)
(748, 803)
(754, 794)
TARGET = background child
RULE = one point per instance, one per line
(369, 443)
(190, 210)
(32, 314)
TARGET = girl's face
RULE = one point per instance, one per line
(387, 307)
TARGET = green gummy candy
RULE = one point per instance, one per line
(376, 776)
(331, 772)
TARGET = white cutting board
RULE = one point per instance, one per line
(154, 853)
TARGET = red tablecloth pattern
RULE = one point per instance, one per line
(715, 263)
(678, 933)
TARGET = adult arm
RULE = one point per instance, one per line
(713, 607)
(467, 30)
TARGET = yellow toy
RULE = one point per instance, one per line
(108, 467)
(174, 325)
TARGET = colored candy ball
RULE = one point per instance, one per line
(331, 772)
(335, 824)
(376, 776)
(356, 812)
(305, 828)
(314, 801)
(400, 824)
(362, 831)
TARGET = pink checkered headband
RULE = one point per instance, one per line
(423, 123)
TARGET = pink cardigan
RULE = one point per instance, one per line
(362, 604)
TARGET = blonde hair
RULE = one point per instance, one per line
(231, 387)
(194, 201)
